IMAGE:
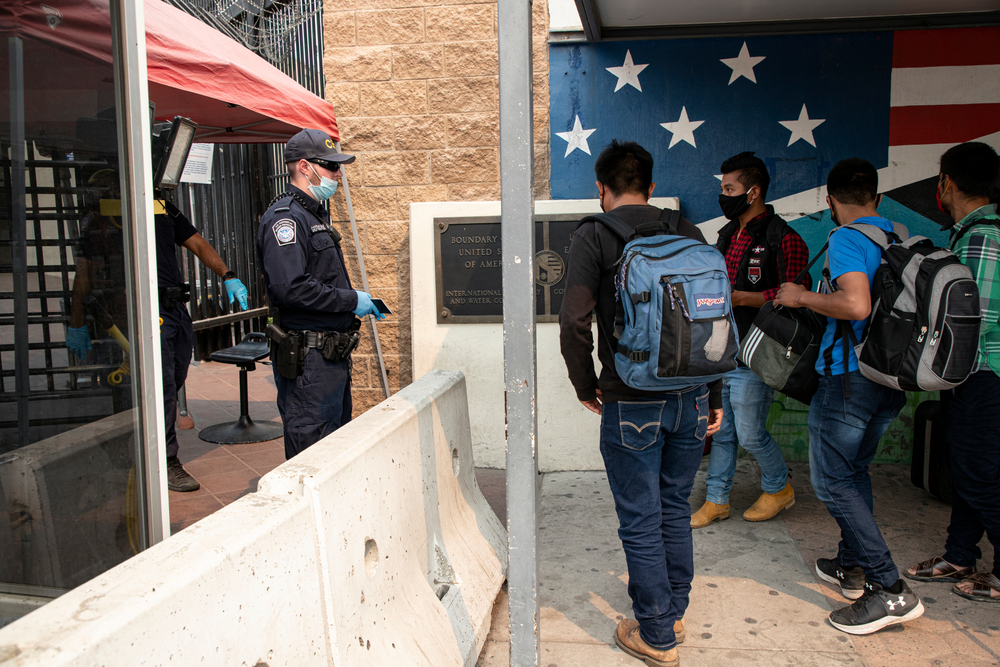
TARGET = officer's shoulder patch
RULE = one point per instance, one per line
(284, 231)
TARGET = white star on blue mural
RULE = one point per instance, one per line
(683, 129)
(628, 74)
(742, 65)
(803, 127)
(576, 138)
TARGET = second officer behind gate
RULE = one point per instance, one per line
(314, 309)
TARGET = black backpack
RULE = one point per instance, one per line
(923, 331)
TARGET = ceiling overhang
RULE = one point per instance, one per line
(638, 19)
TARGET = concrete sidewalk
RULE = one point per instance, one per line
(755, 598)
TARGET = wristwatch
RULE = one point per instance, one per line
(229, 275)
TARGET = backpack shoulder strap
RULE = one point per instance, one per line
(667, 223)
(900, 230)
(872, 233)
(987, 220)
(671, 219)
(775, 234)
(776, 231)
(612, 222)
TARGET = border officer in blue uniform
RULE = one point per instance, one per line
(314, 310)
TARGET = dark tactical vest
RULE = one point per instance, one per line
(761, 266)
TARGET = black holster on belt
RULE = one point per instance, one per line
(334, 345)
(285, 351)
(171, 296)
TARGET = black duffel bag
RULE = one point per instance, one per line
(782, 346)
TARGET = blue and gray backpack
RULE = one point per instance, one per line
(674, 318)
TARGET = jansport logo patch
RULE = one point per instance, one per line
(702, 301)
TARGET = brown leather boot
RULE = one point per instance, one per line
(628, 639)
(769, 504)
(679, 631)
(708, 513)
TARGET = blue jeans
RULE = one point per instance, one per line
(843, 438)
(316, 403)
(971, 419)
(652, 450)
(746, 401)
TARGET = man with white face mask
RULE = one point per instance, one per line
(314, 308)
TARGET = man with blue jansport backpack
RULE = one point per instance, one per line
(651, 440)
(848, 415)
(968, 176)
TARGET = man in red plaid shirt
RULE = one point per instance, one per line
(761, 252)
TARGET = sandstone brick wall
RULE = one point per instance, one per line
(414, 85)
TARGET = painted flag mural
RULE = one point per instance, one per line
(801, 102)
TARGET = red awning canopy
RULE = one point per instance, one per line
(194, 71)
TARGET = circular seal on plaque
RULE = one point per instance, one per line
(549, 268)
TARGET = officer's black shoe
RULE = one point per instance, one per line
(178, 478)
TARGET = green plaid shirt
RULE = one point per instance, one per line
(979, 249)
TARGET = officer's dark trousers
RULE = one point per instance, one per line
(176, 343)
(316, 403)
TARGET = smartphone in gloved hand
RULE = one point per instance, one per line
(380, 305)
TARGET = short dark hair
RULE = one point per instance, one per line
(624, 167)
(752, 171)
(853, 181)
(973, 167)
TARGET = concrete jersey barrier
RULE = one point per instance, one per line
(415, 565)
(374, 547)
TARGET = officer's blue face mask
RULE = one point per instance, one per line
(326, 188)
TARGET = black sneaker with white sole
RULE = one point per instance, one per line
(850, 579)
(877, 608)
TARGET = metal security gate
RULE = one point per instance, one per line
(226, 214)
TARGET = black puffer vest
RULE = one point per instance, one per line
(762, 265)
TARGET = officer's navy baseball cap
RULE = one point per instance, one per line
(314, 145)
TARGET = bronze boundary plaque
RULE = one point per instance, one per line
(469, 271)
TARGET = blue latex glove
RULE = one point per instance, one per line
(366, 307)
(78, 341)
(236, 291)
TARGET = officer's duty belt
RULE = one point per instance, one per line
(333, 345)
(171, 296)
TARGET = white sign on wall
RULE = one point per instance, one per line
(198, 168)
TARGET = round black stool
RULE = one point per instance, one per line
(244, 430)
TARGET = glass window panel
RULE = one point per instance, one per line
(69, 425)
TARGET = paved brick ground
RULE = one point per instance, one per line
(226, 472)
